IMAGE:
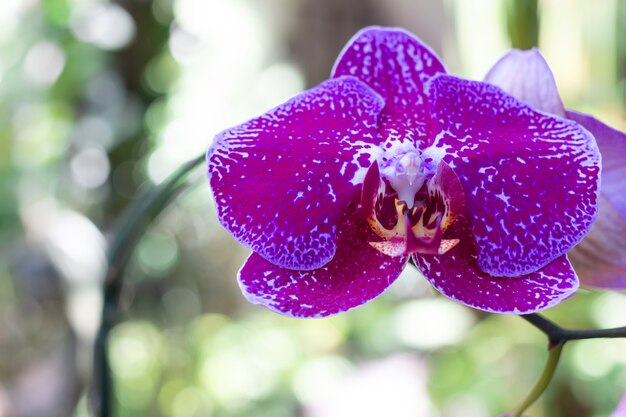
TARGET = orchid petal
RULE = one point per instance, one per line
(458, 276)
(396, 65)
(530, 179)
(612, 145)
(357, 274)
(527, 76)
(282, 181)
(600, 259)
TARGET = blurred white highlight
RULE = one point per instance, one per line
(44, 63)
(432, 323)
(107, 26)
(392, 387)
(90, 167)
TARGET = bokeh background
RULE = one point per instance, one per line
(101, 100)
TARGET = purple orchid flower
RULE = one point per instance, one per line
(391, 158)
(600, 259)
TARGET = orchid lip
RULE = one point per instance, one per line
(418, 226)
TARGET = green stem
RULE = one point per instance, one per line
(125, 238)
(554, 354)
(557, 337)
(523, 23)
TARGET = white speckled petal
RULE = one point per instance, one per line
(282, 181)
(530, 179)
(458, 276)
(527, 76)
(357, 274)
(600, 259)
(396, 65)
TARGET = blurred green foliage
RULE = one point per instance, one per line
(260, 364)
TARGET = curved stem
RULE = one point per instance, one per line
(557, 337)
(557, 334)
(125, 237)
(554, 354)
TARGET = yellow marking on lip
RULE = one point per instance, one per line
(397, 230)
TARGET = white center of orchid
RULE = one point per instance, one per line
(406, 175)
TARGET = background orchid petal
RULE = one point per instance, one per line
(282, 181)
(612, 145)
(458, 276)
(530, 179)
(396, 65)
(600, 259)
(527, 76)
(357, 274)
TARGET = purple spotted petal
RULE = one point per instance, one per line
(527, 76)
(282, 181)
(600, 259)
(458, 276)
(530, 179)
(396, 65)
(357, 274)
